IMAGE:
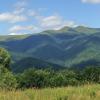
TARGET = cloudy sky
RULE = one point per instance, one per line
(32, 16)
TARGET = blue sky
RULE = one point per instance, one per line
(32, 16)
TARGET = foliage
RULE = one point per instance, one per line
(50, 78)
(42, 78)
(4, 58)
(92, 74)
(7, 79)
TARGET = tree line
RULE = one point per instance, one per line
(42, 78)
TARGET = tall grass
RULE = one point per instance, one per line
(87, 92)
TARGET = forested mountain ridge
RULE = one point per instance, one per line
(66, 47)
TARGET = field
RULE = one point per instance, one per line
(87, 92)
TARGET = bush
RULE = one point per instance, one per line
(44, 78)
(5, 58)
(7, 79)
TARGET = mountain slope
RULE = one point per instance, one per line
(66, 47)
(30, 62)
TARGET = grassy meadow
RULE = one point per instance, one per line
(87, 92)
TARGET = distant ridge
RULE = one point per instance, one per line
(66, 47)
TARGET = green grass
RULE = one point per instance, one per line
(87, 92)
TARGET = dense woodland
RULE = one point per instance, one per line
(41, 78)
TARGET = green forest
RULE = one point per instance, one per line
(43, 78)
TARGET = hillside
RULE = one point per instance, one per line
(29, 62)
(66, 47)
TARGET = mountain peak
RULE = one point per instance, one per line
(61, 30)
(81, 27)
(87, 30)
(76, 30)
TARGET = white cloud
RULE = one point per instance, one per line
(45, 23)
(55, 22)
(51, 21)
(17, 33)
(18, 28)
(21, 4)
(32, 13)
(19, 11)
(91, 1)
(13, 33)
(12, 18)
(66, 24)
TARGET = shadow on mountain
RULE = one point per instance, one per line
(30, 62)
(88, 63)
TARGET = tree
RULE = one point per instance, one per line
(4, 58)
(92, 74)
(33, 78)
(7, 79)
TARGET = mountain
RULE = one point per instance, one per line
(30, 62)
(67, 47)
(13, 37)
